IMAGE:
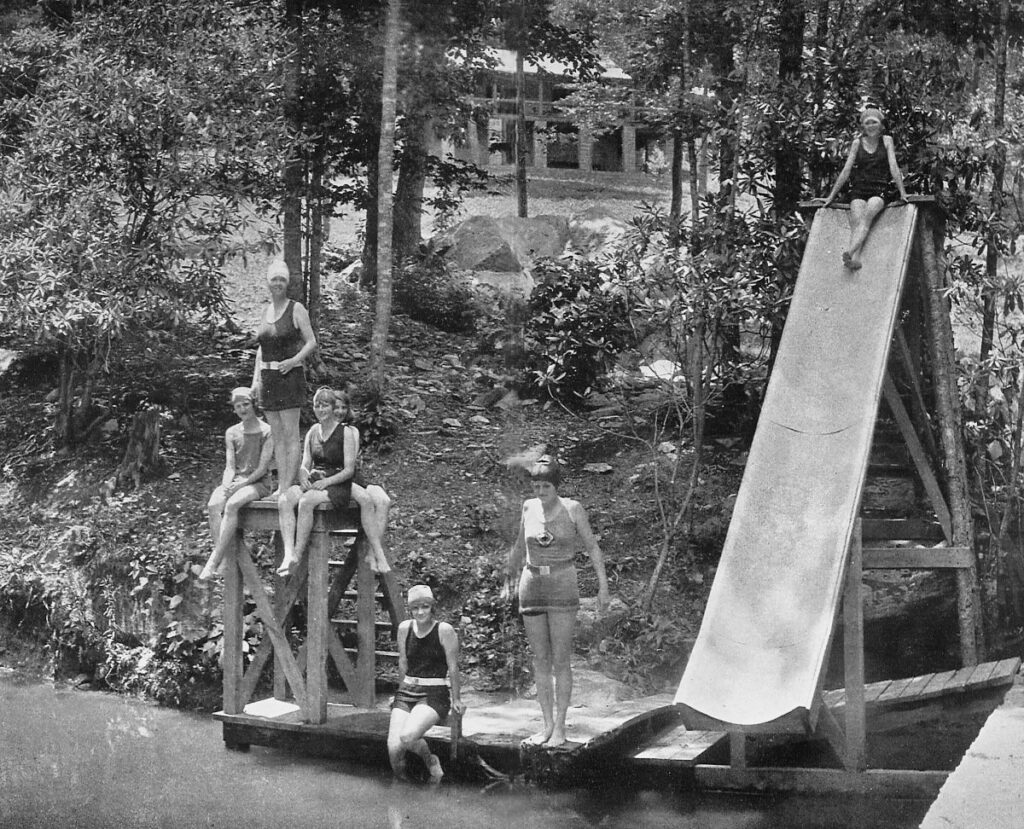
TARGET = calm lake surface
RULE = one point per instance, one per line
(86, 759)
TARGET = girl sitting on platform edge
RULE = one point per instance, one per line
(249, 450)
(328, 475)
(428, 666)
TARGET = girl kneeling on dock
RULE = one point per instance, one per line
(551, 532)
(248, 450)
(328, 475)
(428, 663)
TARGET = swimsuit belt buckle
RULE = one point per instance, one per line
(545, 570)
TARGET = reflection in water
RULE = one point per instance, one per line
(70, 758)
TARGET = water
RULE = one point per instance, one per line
(83, 759)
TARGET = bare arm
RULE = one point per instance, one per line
(450, 643)
(403, 658)
(307, 458)
(894, 167)
(844, 174)
(256, 373)
(300, 316)
(579, 516)
(266, 456)
(516, 555)
(229, 459)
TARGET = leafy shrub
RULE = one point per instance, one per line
(576, 323)
(427, 291)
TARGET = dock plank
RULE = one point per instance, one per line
(677, 747)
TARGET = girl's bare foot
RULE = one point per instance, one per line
(382, 565)
(556, 739)
(434, 767)
(287, 567)
(207, 572)
(371, 562)
(539, 738)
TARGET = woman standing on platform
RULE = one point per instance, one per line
(286, 338)
(552, 530)
(875, 181)
(248, 449)
(328, 475)
(428, 666)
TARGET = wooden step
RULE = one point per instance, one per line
(384, 626)
(378, 654)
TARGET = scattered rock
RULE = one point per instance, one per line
(599, 468)
(593, 626)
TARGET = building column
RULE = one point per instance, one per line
(585, 149)
(540, 144)
(628, 148)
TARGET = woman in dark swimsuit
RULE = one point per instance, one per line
(278, 381)
(328, 474)
(875, 180)
(428, 666)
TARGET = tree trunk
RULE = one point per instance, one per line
(991, 299)
(314, 250)
(412, 178)
(792, 20)
(521, 206)
(294, 174)
(385, 156)
(368, 279)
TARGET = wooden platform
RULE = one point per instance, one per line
(641, 738)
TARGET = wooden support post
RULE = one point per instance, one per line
(281, 612)
(233, 700)
(918, 456)
(947, 405)
(364, 693)
(317, 624)
(853, 659)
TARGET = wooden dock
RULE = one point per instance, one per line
(640, 738)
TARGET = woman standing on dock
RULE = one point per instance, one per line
(552, 530)
(286, 339)
(875, 181)
(328, 475)
(428, 666)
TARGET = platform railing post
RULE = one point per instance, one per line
(233, 703)
(853, 657)
(317, 622)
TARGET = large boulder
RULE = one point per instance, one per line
(478, 244)
(593, 230)
(537, 238)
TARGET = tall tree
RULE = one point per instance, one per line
(385, 165)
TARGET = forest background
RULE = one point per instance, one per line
(156, 154)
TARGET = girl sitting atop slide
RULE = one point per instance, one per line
(328, 474)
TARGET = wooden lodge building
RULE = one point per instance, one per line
(554, 140)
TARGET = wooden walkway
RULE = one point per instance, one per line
(635, 737)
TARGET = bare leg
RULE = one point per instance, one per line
(284, 426)
(561, 627)
(396, 751)
(303, 527)
(214, 510)
(862, 216)
(286, 507)
(420, 720)
(373, 516)
(228, 527)
(539, 636)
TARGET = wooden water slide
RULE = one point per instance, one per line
(763, 644)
